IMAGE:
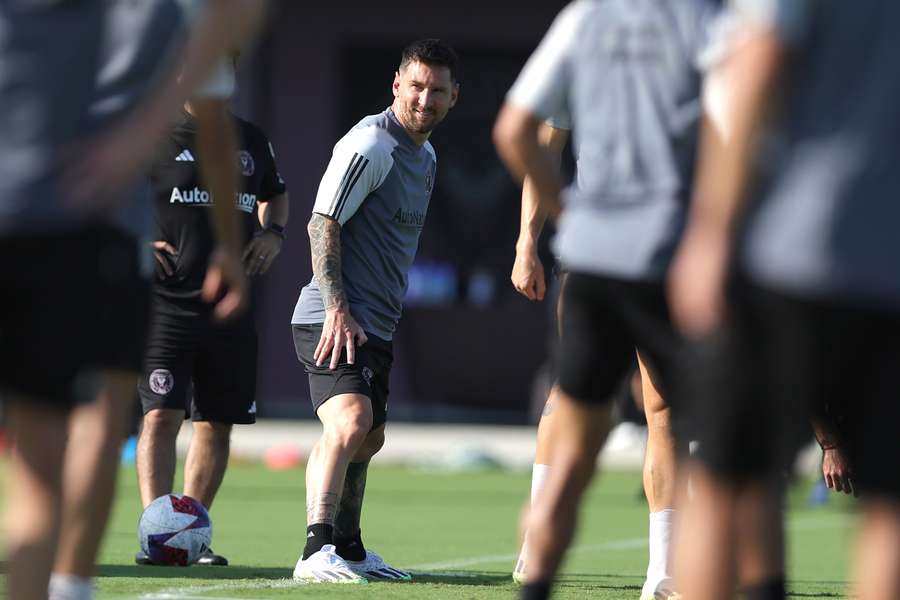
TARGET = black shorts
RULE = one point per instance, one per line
(188, 351)
(369, 375)
(73, 304)
(602, 322)
(783, 359)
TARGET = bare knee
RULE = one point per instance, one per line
(162, 423)
(373, 442)
(347, 430)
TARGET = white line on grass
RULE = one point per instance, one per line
(797, 524)
(190, 592)
(433, 569)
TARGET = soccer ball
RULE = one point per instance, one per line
(174, 530)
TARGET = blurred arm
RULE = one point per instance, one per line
(528, 272)
(516, 139)
(696, 281)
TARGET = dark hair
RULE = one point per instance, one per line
(432, 52)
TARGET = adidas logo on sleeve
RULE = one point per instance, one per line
(185, 156)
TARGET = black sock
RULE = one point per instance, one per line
(773, 589)
(351, 548)
(317, 535)
(539, 590)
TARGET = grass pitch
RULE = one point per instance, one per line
(455, 531)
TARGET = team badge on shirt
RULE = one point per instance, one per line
(248, 166)
(162, 381)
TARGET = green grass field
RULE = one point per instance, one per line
(455, 531)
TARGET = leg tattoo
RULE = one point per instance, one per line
(347, 535)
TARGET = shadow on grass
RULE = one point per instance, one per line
(478, 578)
(194, 572)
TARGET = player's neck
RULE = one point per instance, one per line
(188, 108)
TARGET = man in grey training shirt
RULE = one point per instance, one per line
(813, 312)
(625, 71)
(364, 231)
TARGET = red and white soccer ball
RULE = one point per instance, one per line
(175, 530)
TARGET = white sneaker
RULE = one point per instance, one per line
(374, 567)
(662, 591)
(70, 587)
(518, 573)
(325, 566)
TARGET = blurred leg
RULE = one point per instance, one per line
(759, 531)
(96, 433)
(660, 472)
(704, 549)
(34, 496)
(877, 561)
(551, 523)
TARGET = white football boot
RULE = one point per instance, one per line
(374, 568)
(518, 573)
(325, 566)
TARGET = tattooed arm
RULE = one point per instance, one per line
(340, 329)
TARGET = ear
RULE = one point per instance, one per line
(395, 87)
(454, 95)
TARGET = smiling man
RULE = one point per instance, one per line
(363, 235)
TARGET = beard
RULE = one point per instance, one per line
(421, 121)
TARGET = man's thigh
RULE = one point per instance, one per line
(225, 375)
(595, 347)
(172, 346)
(79, 307)
(368, 376)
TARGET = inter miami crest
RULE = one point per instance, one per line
(162, 381)
(245, 161)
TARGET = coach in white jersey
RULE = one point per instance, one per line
(626, 71)
(363, 234)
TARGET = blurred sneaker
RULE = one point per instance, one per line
(325, 566)
(518, 573)
(210, 558)
(374, 567)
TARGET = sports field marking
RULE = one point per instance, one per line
(190, 592)
(804, 523)
(797, 524)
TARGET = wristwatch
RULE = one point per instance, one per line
(277, 230)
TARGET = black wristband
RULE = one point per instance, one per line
(277, 230)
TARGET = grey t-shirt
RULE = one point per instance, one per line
(67, 72)
(626, 73)
(377, 186)
(827, 223)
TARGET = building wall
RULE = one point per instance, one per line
(314, 68)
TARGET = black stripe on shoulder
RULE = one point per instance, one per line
(348, 175)
(343, 200)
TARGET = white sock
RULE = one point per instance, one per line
(70, 587)
(539, 474)
(661, 525)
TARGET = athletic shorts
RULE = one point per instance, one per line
(782, 359)
(368, 376)
(602, 322)
(73, 304)
(198, 365)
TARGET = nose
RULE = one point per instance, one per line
(425, 98)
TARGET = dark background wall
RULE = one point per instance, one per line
(468, 348)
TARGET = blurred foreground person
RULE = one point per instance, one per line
(660, 459)
(626, 73)
(78, 122)
(813, 287)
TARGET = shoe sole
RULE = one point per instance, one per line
(345, 580)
